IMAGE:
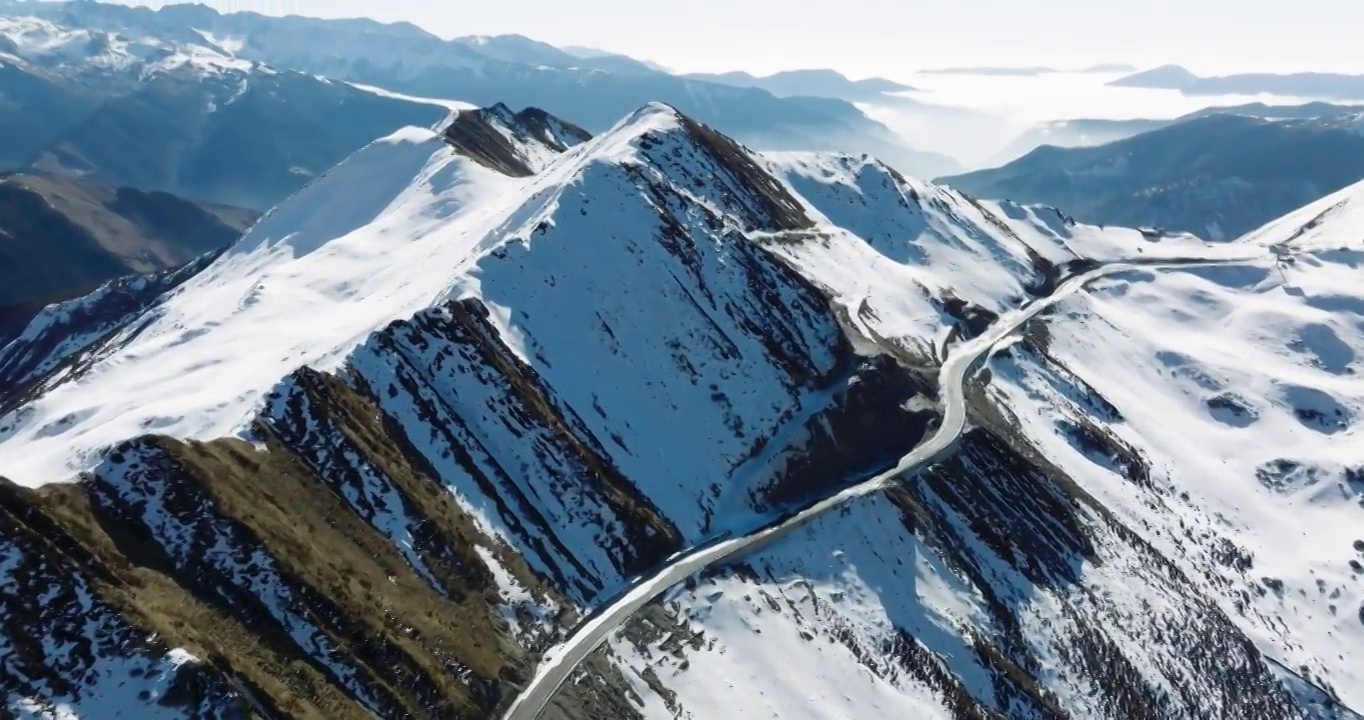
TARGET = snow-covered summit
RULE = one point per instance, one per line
(40, 43)
(483, 375)
(521, 143)
(407, 224)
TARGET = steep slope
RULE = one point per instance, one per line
(64, 237)
(513, 143)
(430, 413)
(1154, 518)
(37, 110)
(1247, 411)
(452, 433)
(1218, 176)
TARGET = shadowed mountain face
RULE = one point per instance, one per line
(249, 144)
(60, 237)
(378, 455)
(1218, 176)
(171, 114)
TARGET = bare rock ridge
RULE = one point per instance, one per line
(540, 366)
(504, 140)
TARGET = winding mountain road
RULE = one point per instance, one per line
(559, 662)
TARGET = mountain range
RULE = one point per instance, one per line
(347, 371)
(467, 390)
(1088, 132)
(1326, 86)
(185, 118)
(411, 63)
(817, 83)
(1219, 175)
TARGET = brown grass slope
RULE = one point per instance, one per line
(60, 237)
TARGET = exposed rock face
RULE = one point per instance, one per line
(404, 533)
(522, 367)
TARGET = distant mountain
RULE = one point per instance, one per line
(1081, 132)
(1329, 86)
(813, 83)
(510, 69)
(1089, 132)
(36, 110)
(185, 118)
(1217, 175)
(592, 53)
(525, 51)
(61, 237)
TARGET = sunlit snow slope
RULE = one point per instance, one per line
(377, 456)
(1158, 517)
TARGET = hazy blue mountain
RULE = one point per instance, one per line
(1080, 132)
(1330, 86)
(591, 52)
(814, 83)
(35, 111)
(277, 132)
(525, 51)
(594, 92)
(186, 118)
(1218, 175)
(1089, 132)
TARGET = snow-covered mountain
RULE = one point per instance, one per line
(467, 386)
(593, 91)
(175, 114)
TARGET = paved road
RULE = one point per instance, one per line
(559, 662)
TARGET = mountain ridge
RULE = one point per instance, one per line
(439, 439)
(1325, 86)
(423, 65)
(815, 82)
(1217, 175)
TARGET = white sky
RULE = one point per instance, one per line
(897, 37)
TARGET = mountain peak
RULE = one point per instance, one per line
(1165, 76)
(715, 166)
(518, 144)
